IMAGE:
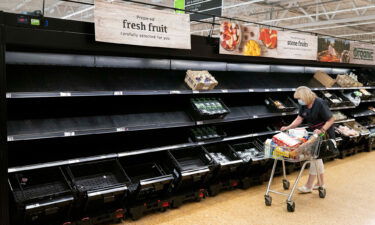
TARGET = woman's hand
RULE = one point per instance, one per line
(317, 131)
(284, 128)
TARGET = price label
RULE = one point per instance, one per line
(195, 92)
(279, 89)
(256, 134)
(255, 116)
(293, 89)
(224, 90)
(65, 94)
(8, 95)
(69, 134)
(175, 92)
(201, 143)
(199, 122)
(267, 90)
(283, 114)
(118, 93)
(73, 161)
(251, 90)
(121, 129)
(10, 138)
(103, 157)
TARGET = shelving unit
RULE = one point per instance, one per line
(57, 85)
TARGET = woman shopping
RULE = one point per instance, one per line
(315, 112)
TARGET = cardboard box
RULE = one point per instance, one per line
(200, 84)
(324, 78)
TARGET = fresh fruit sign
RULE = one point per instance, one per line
(116, 22)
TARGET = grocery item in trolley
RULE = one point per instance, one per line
(294, 146)
(200, 80)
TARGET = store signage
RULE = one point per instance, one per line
(237, 39)
(212, 7)
(362, 53)
(116, 22)
(333, 50)
(297, 46)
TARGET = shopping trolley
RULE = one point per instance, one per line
(307, 152)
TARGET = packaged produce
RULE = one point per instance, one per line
(357, 127)
(284, 104)
(339, 116)
(208, 108)
(345, 80)
(324, 78)
(200, 80)
(365, 94)
(346, 131)
(298, 133)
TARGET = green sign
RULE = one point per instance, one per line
(35, 22)
(179, 4)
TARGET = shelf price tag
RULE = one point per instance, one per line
(118, 93)
(9, 95)
(267, 90)
(73, 161)
(279, 89)
(201, 143)
(65, 94)
(251, 90)
(175, 92)
(195, 92)
(283, 114)
(255, 116)
(10, 138)
(293, 89)
(121, 129)
(69, 133)
(199, 122)
(224, 90)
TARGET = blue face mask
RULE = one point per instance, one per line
(301, 102)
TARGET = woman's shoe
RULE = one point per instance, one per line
(304, 190)
(316, 187)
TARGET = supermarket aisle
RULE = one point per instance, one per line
(349, 201)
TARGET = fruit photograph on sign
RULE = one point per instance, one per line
(238, 39)
(333, 50)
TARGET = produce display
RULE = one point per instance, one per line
(280, 105)
(205, 133)
(339, 116)
(209, 108)
(348, 80)
(346, 131)
(220, 157)
(332, 99)
(357, 127)
(366, 94)
(200, 80)
(230, 35)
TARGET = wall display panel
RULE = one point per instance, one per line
(362, 53)
(333, 50)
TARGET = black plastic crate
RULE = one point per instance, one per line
(280, 104)
(102, 185)
(198, 134)
(193, 167)
(41, 196)
(227, 173)
(151, 175)
(197, 114)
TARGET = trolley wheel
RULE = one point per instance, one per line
(286, 184)
(268, 200)
(290, 206)
(322, 192)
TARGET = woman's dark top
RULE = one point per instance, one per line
(317, 116)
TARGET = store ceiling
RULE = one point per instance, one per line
(352, 19)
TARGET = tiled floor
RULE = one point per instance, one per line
(350, 200)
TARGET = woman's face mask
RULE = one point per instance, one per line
(301, 102)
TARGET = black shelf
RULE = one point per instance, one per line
(20, 130)
(363, 113)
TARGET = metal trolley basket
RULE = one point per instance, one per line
(307, 153)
